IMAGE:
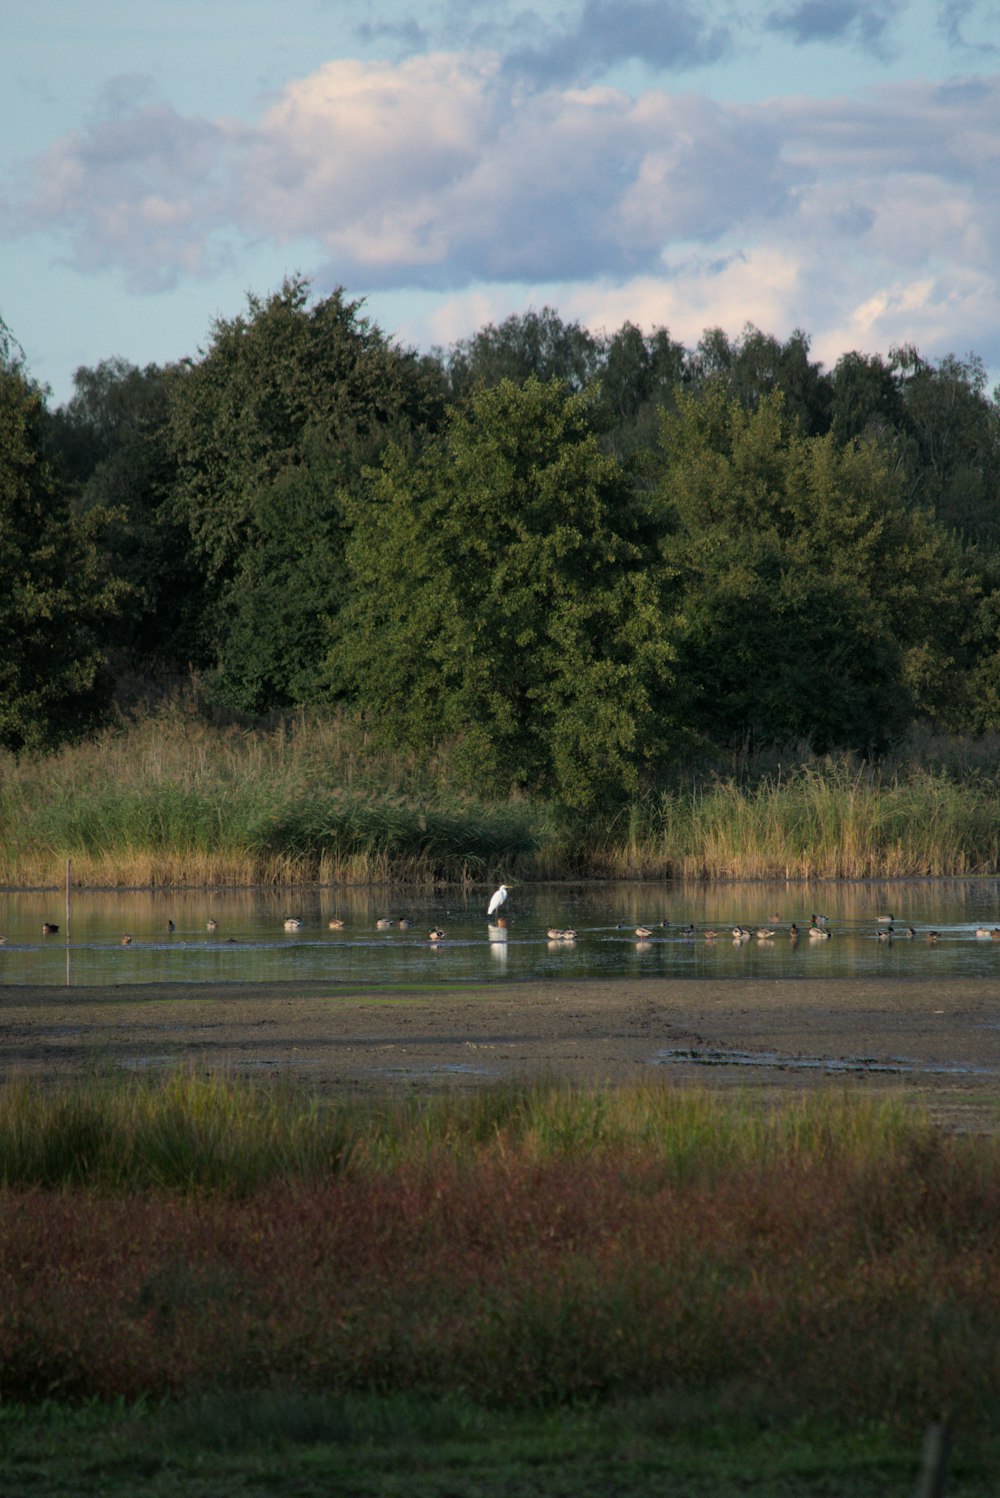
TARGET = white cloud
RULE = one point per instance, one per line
(445, 172)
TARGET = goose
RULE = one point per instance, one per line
(497, 899)
(292, 923)
(48, 929)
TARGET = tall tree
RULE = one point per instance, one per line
(504, 597)
(55, 598)
(110, 443)
(525, 345)
(815, 603)
(280, 414)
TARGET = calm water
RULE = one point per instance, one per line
(251, 945)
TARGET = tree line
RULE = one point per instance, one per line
(577, 558)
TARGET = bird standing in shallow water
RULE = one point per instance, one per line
(497, 899)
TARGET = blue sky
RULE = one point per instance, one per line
(832, 165)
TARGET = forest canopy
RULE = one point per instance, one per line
(575, 557)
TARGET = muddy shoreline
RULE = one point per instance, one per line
(936, 1043)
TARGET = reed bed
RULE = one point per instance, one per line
(169, 799)
(528, 1246)
(836, 821)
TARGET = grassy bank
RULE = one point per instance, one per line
(523, 1249)
(277, 1442)
(169, 799)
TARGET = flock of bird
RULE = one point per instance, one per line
(886, 928)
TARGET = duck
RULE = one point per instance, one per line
(763, 933)
(643, 931)
(336, 924)
(820, 933)
(293, 923)
(568, 935)
(995, 933)
(687, 931)
(820, 920)
(403, 923)
(171, 926)
(884, 920)
(385, 923)
(933, 935)
(48, 929)
(711, 935)
(907, 932)
(740, 933)
(793, 931)
(126, 940)
(886, 934)
(436, 935)
(213, 925)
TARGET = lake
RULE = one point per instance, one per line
(250, 944)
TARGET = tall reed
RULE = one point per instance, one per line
(170, 799)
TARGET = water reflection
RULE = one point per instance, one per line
(219, 935)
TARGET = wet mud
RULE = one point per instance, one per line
(936, 1043)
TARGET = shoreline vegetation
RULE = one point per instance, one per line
(670, 1262)
(168, 799)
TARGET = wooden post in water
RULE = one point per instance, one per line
(934, 1467)
(69, 907)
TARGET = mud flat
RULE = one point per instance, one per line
(935, 1042)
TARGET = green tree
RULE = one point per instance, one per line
(267, 429)
(526, 345)
(757, 365)
(504, 596)
(109, 443)
(815, 603)
(55, 597)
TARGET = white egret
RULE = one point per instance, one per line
(496, 900)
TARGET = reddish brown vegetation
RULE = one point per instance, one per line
(842, 1290)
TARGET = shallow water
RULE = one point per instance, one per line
(251, 945)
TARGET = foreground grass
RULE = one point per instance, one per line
(311, 1445)
(169, 799)
(822, 1263)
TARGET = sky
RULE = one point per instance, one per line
(827, 165)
